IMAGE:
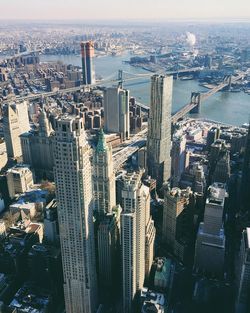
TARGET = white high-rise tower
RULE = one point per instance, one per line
(73, 179)
(136, 224)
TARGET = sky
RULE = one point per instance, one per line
(122, 10)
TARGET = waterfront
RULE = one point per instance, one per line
(225, 107)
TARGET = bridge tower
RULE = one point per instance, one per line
(120, 78)
(228, 79)
(196, 99)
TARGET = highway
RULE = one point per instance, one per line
(131, 146)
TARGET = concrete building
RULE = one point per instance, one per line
(159, 128)
(178, 158)
(37, 148)
(19, 180)
(88, 73)
(15, 122)
(74, 192)
(135, 203)
(116, 111)
(243, 274)
(210, 238)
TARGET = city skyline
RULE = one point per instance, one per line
(146, 10)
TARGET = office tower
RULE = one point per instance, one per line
(116, 111)
(245, 184)
(104, 177)
(107, 218)
(135, 205)
(177, 220)
(15, 122)
(211, 239)
(243, 274)
(178, 158)
(19, 179)
(73, 180)
(37, 148)
(88, 74)
(159, 128)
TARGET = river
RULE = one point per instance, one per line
(225, 107)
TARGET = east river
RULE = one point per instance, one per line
(226, 107)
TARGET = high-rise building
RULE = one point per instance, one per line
(210, 238)
(245, 185)
(88, 74)
(178, 158)
(222, 169)
(107, 218)
(73, 180)
(177, 220)
(243, 274)
(37, 147)
(136, 205)
(104, 177)
(15, 122)
(116, 111)
(159, 128)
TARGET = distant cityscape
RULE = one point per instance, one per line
(111, 205)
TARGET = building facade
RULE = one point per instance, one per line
(73, 180)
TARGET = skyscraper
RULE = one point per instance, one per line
(243, 274)
(116, 111)
(15, 122)
(135, 204)
(107, 218)
(104, 177)
(210, 238)
(159, 128)
(88, 74)
(73, 178)
(245, 185)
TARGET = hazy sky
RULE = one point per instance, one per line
(115, 9)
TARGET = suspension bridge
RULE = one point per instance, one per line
(123, 77)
